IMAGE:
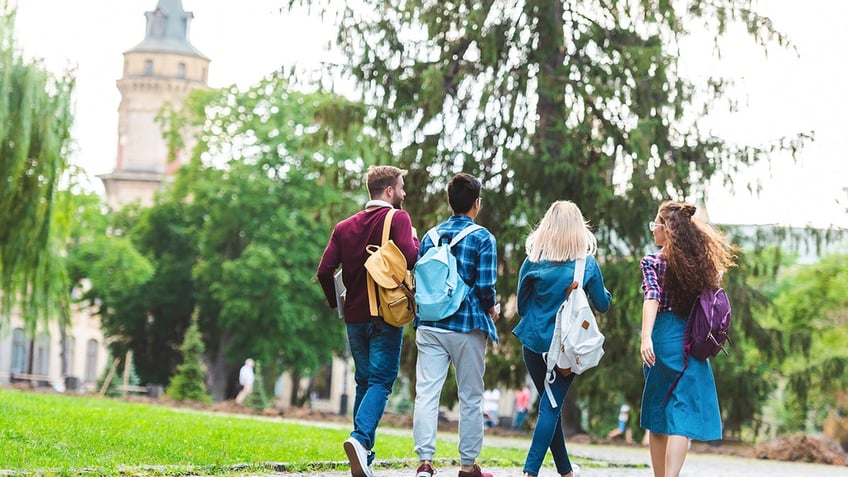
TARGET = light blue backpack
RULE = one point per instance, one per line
(439, 290)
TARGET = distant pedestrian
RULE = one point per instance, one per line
(561, 238)
(491, 407)
(522, 407)
(246, 378)
(622, 428)
(692, 256)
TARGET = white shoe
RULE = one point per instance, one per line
(576, 469)
(358, 457)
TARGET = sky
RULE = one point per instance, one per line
(781, 93)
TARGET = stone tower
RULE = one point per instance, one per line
(164, 68)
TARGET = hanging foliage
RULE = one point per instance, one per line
(35, 121)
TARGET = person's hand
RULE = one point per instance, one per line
(495, 312)
(647, 351)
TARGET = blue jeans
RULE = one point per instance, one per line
(518, 419)
(375, 348)
(548, 432)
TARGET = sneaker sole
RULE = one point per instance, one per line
(356, 469)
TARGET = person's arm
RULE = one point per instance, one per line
(330, 261)
(404, 237)
(525, 287)
(652, 290)
(649, 316)
(598, 294)
(487, 275)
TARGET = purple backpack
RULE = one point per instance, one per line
(708, 324)
(706, 329)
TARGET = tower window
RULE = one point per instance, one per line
(148, 68)
(181, 71)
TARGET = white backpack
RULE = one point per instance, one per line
(578, 343)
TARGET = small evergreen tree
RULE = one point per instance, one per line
(189, 381)
(257, 399)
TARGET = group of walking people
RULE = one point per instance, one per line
(691, 255)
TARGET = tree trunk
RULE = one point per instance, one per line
(220, 370)
(571, 415)
(295, 391)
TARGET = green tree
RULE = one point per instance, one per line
(262, 218)
(240, 232)
(547, 100)
(189, 383)
(811, 317)
(35, 122)
(258, 398)
(152, 317)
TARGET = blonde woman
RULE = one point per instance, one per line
(692, 256)
(561, 237)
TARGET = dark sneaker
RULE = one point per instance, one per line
(474, 472)
(425, 470)
(358, 457)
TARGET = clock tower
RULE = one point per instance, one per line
(161, 70)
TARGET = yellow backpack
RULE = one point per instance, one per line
(390, 285)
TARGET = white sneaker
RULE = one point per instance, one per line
(576, 469)
(358, 457)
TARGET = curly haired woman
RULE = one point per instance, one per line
(693, 255)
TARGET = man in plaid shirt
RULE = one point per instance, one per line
(459, 339)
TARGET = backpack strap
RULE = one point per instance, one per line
(687, 346)
(579, 271)
(434, 236)
(552, 356)
(436, 239)
(463, 233)
(371, 285)
(387, 226)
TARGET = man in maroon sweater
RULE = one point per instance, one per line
(374, 345)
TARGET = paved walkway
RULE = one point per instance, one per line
(609, 461)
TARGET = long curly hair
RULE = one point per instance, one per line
(697, 254)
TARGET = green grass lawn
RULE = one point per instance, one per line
(65, 434)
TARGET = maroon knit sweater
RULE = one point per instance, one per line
(346, 248)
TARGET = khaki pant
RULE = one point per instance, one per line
(245, 391)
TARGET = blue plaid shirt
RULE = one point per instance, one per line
(477, 264)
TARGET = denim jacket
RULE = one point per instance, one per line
(541, 290)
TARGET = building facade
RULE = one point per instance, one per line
(161, 70)
(158, 74)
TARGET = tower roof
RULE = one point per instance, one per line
(167, 30)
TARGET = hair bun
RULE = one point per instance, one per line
(688, 209)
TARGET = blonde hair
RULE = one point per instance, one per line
(562, 235)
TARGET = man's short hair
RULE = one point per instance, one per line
(463, 190)
(380, 177)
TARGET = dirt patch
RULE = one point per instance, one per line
(802, 448)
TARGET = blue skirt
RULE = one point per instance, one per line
(691, 409)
